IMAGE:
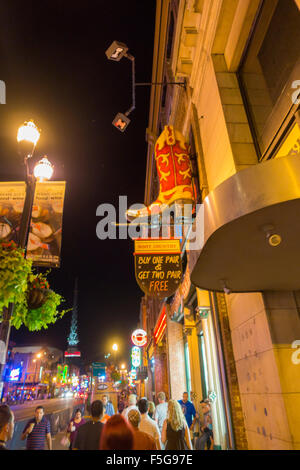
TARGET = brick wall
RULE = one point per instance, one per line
(161, 369)
(176, 359)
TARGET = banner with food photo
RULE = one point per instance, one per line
(44, 240)
(12, 198)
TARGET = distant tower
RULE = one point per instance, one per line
(73, 340)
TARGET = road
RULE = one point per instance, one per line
(26, 410)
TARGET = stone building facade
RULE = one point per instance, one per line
(237, 112)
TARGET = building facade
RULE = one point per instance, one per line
(232, 340)
(29, 372)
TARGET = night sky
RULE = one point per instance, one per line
(52, 59)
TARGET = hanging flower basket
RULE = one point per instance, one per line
(35, 304)
(14, 272)
(37, 292)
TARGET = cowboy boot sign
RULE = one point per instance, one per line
(175, 175)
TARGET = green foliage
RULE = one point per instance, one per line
(124, 383)
(16, 279)
(39, 318)
(14, 272)
(115, 376)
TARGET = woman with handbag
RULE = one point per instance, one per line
(73, 426)
(175, 432)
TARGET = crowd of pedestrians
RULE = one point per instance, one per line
(138, 425)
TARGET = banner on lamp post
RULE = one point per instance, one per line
(12, 198)
(44, 240)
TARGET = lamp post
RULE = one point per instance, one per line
(27, 137)
(38, 356)
(115, 349)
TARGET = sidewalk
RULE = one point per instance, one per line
(56, 445)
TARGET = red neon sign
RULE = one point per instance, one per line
(72, 354)
(161, 325)
(139, 338)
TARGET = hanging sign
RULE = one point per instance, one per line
(135, 356)
(139, 338)
(12, 197)
(98, 369)
(158, 267)
(44, 240)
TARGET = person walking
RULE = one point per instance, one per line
(161, 410)
(175, 432)
(117, 434)
(108, 406)
(147, 424)
(37, 431)
(121, 401)
(73, 426)
(131, 405)
(142, 440)
(89, 434)
(7, 424)
(207, 437)
(151, 410)
(189, 412)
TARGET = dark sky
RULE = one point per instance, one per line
(52, 59)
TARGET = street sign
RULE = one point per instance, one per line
(98, 369)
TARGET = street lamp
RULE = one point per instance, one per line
(43, 170)
(27, 138)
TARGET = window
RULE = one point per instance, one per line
(270, 67)
(170, 36)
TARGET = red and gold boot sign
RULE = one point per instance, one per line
(174, 172)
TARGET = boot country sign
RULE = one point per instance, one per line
(158, 267)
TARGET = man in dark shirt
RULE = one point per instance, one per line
(37, 430)
(7, 424)
(88, 435)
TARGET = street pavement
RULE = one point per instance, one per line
(26, 410)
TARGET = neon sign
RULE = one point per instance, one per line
(135, 356)
(139, 338)
(15, 374)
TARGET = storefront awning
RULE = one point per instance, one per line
(252, 230)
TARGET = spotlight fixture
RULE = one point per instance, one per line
(116, 51)
(121, 122)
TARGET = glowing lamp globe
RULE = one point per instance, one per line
(43, 170)
(139, 338)
(28, 132)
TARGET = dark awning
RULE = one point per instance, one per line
(241, 218)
